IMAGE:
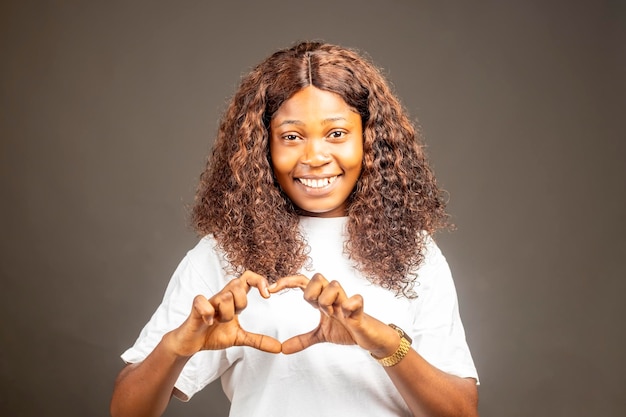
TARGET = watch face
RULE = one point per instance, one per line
(401, 332)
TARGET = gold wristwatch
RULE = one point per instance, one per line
(400, 353)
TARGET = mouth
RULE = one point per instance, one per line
(317, 183)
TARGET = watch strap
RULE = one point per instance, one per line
(400, 353)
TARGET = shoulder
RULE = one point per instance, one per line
(205, 249)
(434, 271)
(206, 263)
(433, 256)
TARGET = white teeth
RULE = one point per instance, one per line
(317, 183)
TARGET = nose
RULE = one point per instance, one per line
(315, 152)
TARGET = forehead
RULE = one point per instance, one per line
(311, 102)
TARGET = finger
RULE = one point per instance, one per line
(291, 281)
(252, 279)
(314, 289)
(260, 342)
(239, 291)
(331, 298)
(300, 342)
(236, 293)
(352, 307)
(223, 303)
(203, 309)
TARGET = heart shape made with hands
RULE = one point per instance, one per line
(340, 316)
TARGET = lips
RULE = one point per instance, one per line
(317, 183)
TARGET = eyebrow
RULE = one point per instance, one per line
(301, 123)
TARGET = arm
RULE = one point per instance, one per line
(145, 388)
(426, 390)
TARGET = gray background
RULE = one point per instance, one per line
(108, 109)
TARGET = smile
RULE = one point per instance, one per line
(317, 183)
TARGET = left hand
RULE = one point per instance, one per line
(342, 320)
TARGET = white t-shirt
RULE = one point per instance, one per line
(325, 379)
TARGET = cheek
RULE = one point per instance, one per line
(353, 158)
(282, 161)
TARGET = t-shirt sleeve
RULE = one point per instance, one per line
(188, 280)
(438, 333)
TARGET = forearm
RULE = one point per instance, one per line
(429, 391)
(144, 389)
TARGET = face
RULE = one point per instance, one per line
(316, 144)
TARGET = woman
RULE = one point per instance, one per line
(316, 211)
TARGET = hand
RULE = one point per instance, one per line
(213, 324)
(342, 320)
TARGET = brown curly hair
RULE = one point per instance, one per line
(394, 202)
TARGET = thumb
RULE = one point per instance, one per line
(300, 342)
(260, 342)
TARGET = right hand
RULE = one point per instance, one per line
(213, 324)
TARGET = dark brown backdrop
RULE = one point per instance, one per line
(107, 111)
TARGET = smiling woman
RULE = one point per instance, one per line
(316, 147)
(316, 212)
(395, 201)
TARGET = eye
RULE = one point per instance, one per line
(337, 134)
(290, 137)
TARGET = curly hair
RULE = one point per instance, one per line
(395, 205)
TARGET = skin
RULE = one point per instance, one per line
(426, 390)
(145, 388)
(316, 145)
(314, 136)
